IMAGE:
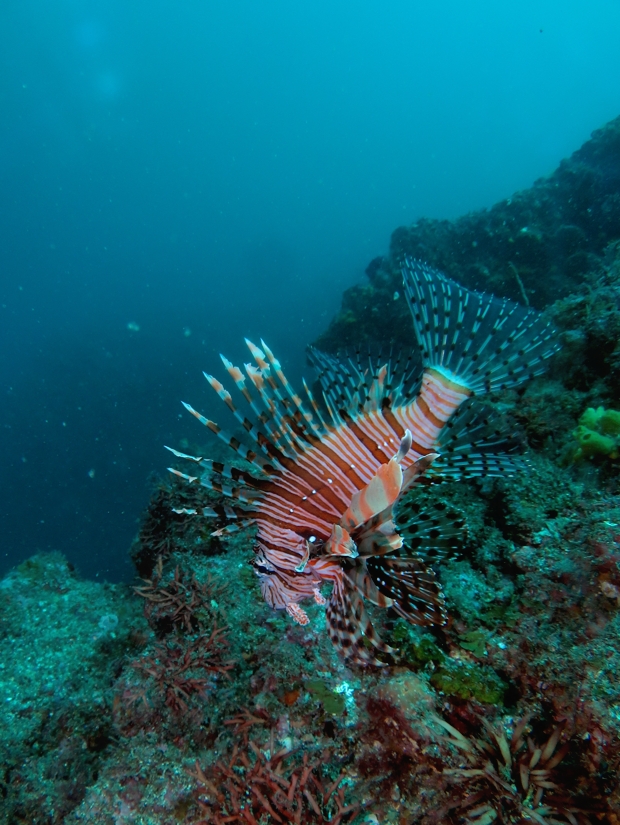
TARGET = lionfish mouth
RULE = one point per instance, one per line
(328, 481)
(260, 568)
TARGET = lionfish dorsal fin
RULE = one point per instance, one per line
(340, 543)
(417, 469)
(380, 493)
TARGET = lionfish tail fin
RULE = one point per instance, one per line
(487, 343)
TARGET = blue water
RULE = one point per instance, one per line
(175, 176)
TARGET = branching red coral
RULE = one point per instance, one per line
(245, 720)
(182, 668)
(175, 603)
(253, 784)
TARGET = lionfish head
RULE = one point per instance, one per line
(261, 564)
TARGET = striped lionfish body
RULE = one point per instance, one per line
(324, 485)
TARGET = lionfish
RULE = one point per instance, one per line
(325, 480)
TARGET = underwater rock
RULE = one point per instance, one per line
(533, 247)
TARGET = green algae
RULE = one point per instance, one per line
(598, 434)
(416, 651)
(475, 641)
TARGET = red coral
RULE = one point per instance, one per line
(245, 720)
(175, 604)
(396, 758)
(182, 668)
(281, 786)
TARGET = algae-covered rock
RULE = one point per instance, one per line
(415, 650)
(411, 694)
(466, 680)
(477, 596)
(454, 677)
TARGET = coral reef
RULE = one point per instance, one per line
(534, 604)
(163, 530)
(61, 643)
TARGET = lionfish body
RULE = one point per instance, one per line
(324, 486)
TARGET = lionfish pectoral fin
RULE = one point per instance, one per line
(184, 476)
(348, 626)
(340, 543)
(417, 470)
(378, 544)
(360, 579)
(380, 493)
(432, 527)
(196, 459)
(232, 528)
(415, 593)
(378, 536)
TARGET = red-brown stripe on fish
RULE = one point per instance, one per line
(324, 486)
